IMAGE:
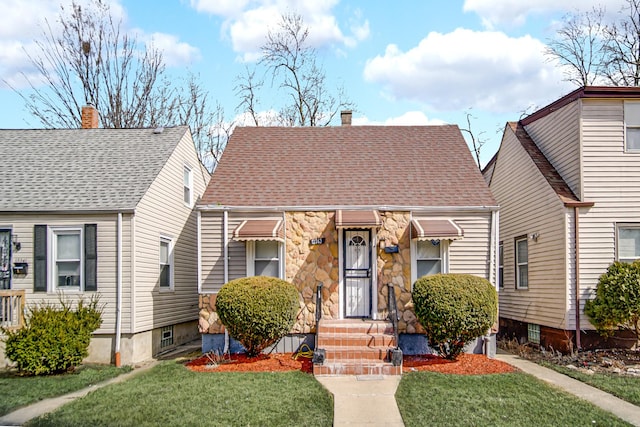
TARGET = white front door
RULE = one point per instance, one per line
(357, 273)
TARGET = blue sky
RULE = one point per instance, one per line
(402, 62)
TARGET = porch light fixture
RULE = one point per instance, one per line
(534, 236)
(16, 244)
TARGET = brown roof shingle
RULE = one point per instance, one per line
(411, 166)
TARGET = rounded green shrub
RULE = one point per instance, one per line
(617, 301)
(257, 311)
(55, 338)
(454, 309)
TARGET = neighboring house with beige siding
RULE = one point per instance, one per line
(566, 179)
(106, 212)
(344, 212)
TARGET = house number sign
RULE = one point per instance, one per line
(318, 241)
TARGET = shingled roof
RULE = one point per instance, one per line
(53, 170)
(364, 166)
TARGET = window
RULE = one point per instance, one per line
(166, 336)
(188, 186)
(428, 257)
(67, 249)
(632, 126)
(501, 266)
(166, 263)
(628, 243)
(263, 258)
(533, 333)
(522, 263)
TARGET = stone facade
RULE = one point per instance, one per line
(308, 264)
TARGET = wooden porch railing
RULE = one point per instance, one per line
(12, 308)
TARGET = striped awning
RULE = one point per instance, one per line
(357, 219)
(260, 229)
(435, 229)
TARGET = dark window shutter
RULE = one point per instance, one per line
(40, 258)
(90, 257)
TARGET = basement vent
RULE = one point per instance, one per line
(533, 333)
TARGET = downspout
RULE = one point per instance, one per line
(199, 247)
(576, 225)
(225, 243)
(118, 289)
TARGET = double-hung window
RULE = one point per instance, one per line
(501, 266)
(628, 243)
(166, 263)
(187, 186)
(428, 257)
(632, 126)
(264, 258)
(522, 263)
(67, 257)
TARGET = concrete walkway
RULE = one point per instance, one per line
(367, 400)
(624, 410)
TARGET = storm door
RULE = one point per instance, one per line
(357, 273)
(5, 259)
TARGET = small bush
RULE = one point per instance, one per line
(617, 301)
(454, 309)
(55, 338)
(257, 311)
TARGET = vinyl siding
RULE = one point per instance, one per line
(529, 205)
(611, 181)
(22, 225)
(162, 212)
(558, 137)
(470, 255)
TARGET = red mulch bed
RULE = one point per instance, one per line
(467, 364)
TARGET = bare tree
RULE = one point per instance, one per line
(595, 51)
(477, 141)
(291, 63)
(579, 46)
(92, 60)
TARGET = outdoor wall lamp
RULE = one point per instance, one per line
(16, 244)
(534, 236)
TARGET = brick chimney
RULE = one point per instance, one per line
(345, 116)
(89, 117)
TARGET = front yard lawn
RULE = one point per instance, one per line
(623, 386)
(515, 399)
(170, 394)
(17, 391)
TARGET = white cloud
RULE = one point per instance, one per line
(410, 118)
(515, 12)
(247, 23)
(464, 69)
(174, 52)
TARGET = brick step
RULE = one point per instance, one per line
(354, 327)
(348, 367)
(356, 353)
(356, 340)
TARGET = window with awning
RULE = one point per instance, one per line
(435, 229)
(259, 229)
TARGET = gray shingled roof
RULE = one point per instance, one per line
(347, 166)
(81, 169)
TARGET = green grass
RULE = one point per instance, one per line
(17, 391)
(170, 394)
(515, 399)
(625, 387)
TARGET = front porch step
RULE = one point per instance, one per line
(356, 347)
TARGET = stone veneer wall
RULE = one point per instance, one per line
(396, 268)
(307, 265)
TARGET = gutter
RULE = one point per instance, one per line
(217, 208)
(118, 290)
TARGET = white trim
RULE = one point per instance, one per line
(250, 257)
(341, 287)
(118, 286)
(625, 226)
(373, 256)
(343, 207)
(52, 243)
(444, 257)
(225, 245)
(517, 264)
(132, 275)
(199, 249)
(187, 168)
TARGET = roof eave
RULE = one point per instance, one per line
(240, 208)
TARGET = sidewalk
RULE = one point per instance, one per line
(367, 400)
(624, 410)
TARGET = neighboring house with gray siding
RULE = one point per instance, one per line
(107, 212)
(566, 180)
(352, 208)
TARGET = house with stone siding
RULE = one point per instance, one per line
(105, 213)
(350, 215)
(566, 179)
